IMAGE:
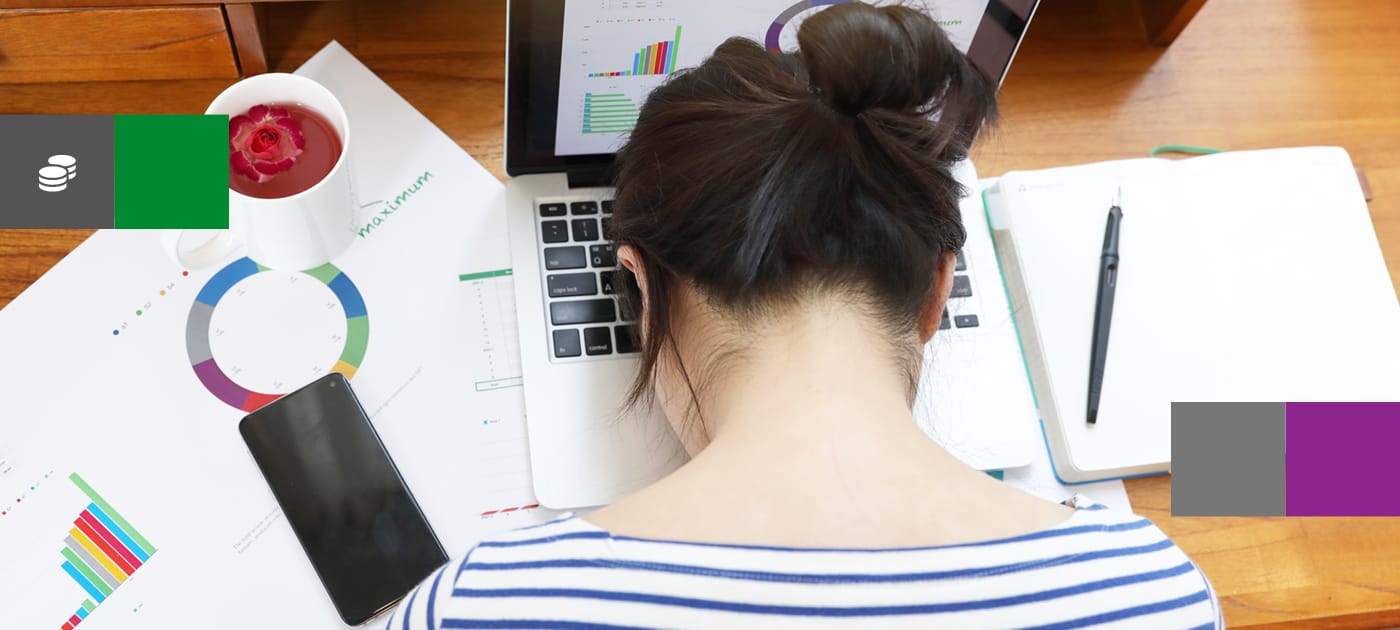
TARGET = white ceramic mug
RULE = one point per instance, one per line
(297, 232)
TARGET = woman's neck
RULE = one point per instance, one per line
(817, 379)
(813, 444)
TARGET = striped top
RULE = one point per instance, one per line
(1098, 567)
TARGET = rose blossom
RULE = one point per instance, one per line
(264, 142)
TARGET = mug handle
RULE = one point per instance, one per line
(215, 247)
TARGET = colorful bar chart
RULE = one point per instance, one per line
(658, 58)
(101, 551)
(608, 113)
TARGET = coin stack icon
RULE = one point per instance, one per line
(60, 170)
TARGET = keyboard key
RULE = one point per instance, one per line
(962, 287)
(944, 324)
(607, 207)
(554, 231)
(597, 340)
(602, 255)
(606, 234)
(571, 284)
(624, 311)
(552, 210)
(962, 262)
(965, 321)
(585, 230)
(584, 207)
(566, 343)
(582, 312)
(606, 279)
(565, 257)
(627, 341)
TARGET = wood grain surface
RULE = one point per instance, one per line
(173, 42)
(1165, 19)
(245, 30)
(1086, 86)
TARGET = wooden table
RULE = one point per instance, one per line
(104, 40)
(1085, 86)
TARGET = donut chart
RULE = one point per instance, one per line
(775, 30)
(197, 328)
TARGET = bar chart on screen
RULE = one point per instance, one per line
(491, 319)
(657, 58)
(617, 52)
(608, 113)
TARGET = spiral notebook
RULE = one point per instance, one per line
(1247, 276)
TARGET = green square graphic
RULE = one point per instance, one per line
(171, 171)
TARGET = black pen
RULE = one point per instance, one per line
(1103, 309)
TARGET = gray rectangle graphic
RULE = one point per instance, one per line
(1228, 458)
(57, 171)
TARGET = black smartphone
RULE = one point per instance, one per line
(340, 491)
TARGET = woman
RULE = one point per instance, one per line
(792, 224)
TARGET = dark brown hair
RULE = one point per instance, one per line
(759, 176)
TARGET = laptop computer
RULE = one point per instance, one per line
(577, 73)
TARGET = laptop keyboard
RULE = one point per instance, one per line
(586, 320)
(960, 298)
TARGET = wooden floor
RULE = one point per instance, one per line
(1085, 86)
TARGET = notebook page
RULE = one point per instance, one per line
(1057, 220)
(1306, 303)
(1252, 276)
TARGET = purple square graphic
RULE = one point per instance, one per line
(1343, 459)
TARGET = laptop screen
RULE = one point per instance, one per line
(579, 70)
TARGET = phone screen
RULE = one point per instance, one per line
(343, 497)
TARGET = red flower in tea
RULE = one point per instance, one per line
(264, 142)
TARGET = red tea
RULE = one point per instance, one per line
(279, 150)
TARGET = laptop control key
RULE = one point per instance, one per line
(961, 262)
(944, 324)
(605, 278)
(566, 343)
(965, 321)
(565, 257)
(585, 229)
(554, 231)
(602, 255)
(582, 312)
(584, 207)
(571, 284)
(597, 340)
(627, 339)
(607, 207)
(962, 287)
(553, 210)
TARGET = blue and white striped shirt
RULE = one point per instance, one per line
(1099, 567)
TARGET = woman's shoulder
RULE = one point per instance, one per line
(1090, 525)
(1098, 565)
(1094, 540)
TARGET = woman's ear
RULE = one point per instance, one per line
(932, 314)
(632, 260)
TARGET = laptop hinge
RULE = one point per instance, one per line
(590, 176)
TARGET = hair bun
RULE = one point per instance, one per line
(861, 57)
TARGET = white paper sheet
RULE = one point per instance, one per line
(93, 387)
